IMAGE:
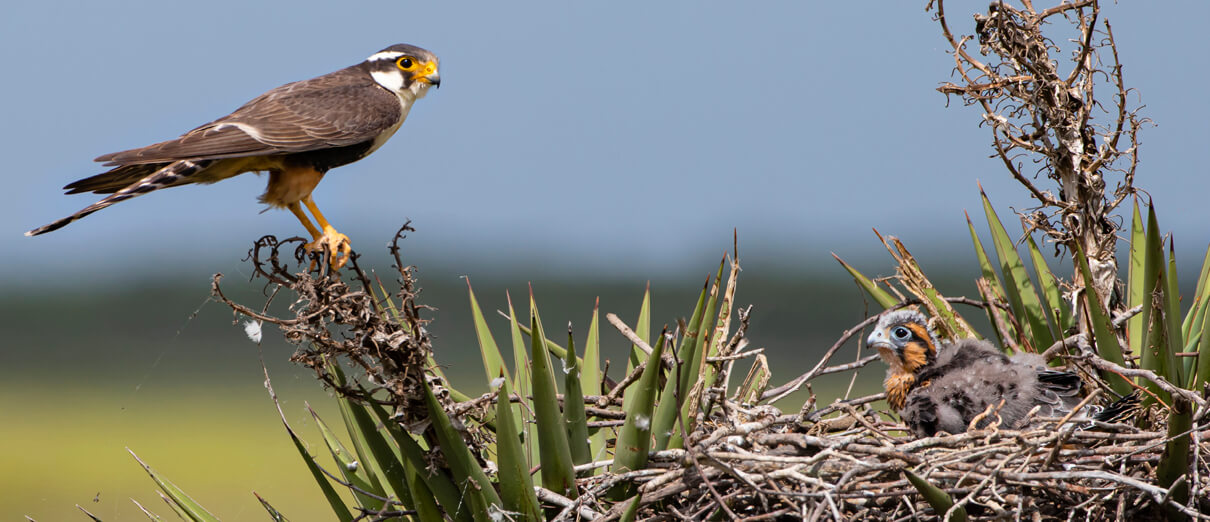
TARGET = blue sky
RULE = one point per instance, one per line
(615, 137)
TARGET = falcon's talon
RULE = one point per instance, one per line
(337, 246)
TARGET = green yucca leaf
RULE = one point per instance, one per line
(1158, 355)
(180, 513)
(574, 418)
(632, 510)
(352, 470)
(691, 357)
(1102, 328)
(184, 502)
(424, 501)
(382, 461)
(558, 473)
(1172, 316)
(1201, 331)
(634, 441)
(1018, 288)
(718, 339)
(1056, 309)
(664, 422)
(994, 314)
(470, 479)
(590, 380)
(555, 348)
(1202, 375)
(516, 484)
(986, 269)
(1136, 327)
(695, 353)
(882, 297)
(364, 456)
(417, 467)
(642, 328)
(936, 497)
(273, 513)
(1192, 324)
(1152, 255)
(1191, 332)
(375, 455)
(493, 362)
(1157, 345)
(524, 384)
(1175, 460)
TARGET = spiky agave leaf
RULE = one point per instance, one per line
(179, 498)
(558, 471)
(574, 418)
(634, 441)
(516, 484)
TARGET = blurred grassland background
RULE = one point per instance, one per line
(586, 148)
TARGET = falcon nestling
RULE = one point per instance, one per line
(296, 133)
(942, 387)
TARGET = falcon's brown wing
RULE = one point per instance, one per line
(338, 109)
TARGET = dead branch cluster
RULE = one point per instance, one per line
(1042, 114)
(333, 320)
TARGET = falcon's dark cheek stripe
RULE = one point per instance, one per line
(922, 334)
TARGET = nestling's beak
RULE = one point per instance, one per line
(877, 339)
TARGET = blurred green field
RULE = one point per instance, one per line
(152, 366)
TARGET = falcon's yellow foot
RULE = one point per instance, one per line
(336, 244)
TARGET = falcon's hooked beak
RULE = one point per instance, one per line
(427, 73)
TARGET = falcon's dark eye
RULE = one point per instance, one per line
(406, 62)
(901, 333)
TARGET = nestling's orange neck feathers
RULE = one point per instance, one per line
(897, 387)
(905, 343)
(904, 367)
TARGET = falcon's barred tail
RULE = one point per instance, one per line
(175, 173)
(114, 180)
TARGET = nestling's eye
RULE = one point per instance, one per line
(901, 333)
(406, 62)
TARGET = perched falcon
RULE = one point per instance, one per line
(942, 387)
(296, 133)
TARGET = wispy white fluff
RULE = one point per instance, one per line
(252, 330)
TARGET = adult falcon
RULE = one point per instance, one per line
(296, 133)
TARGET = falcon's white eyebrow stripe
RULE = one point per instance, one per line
(384, 55)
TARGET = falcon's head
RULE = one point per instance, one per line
(406, 70)
(907, 344)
